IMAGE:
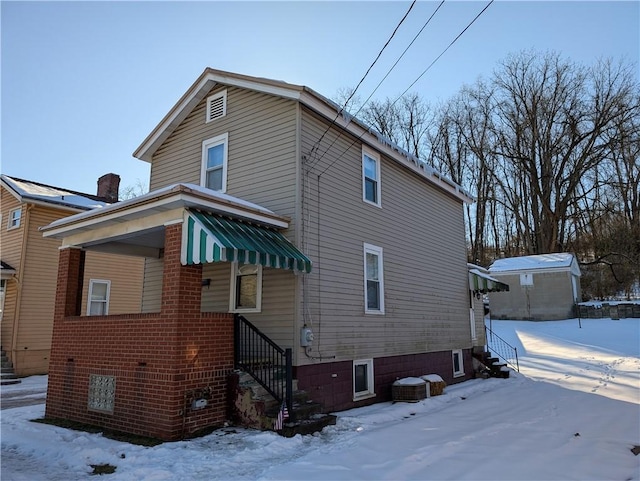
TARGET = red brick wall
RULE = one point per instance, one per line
(161, 362)
(331, 384)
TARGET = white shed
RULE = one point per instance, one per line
(543, 287)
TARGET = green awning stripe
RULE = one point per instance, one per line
(484, 284)
(213, 238)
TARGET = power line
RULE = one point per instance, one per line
(363, 77)
(379, 83)
(414, 82)
(443, 52)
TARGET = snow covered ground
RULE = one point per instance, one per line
(573, 413)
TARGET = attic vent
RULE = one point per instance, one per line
(217, 106)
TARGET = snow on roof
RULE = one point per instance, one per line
(150, 196)
(49, 194)
(542, 261)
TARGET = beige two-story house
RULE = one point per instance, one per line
(270, 206)
(112, 284)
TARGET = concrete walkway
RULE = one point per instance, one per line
(33, 390)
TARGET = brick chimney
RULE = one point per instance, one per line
(108, 186)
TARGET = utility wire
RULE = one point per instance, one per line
(315, 146)
(379, 83)
(443, 52)
(413, 83)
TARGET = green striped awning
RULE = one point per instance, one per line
(480, 282)
(214, 238)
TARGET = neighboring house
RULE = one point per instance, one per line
(30, 266)
(267, 204)
(543, 287)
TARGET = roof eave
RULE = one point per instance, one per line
(198, 90)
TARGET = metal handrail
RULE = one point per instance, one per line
(264, 360)
(502, 348)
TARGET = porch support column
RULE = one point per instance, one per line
(181, 285)
(69, 285)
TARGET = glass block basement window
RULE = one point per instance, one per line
(102, 393)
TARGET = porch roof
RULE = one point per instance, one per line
(481, 282)
(214, 238)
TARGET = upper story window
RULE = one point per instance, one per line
(214, 163)
(371, 177)
(98, 302)
(14, 218)
(373, 280)
(217, 106)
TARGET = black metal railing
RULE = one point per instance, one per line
(501, 348)
(264, 360)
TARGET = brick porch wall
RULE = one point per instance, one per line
(331, 384)
(161, 361)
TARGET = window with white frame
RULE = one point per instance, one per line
(98, 301)
(216, 106)
(214, 163)
(246, 288)
(14, 218)
(363, 379)
(371, 177)
(458, 367)
(373, 280)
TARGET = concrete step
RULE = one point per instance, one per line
(308, 426)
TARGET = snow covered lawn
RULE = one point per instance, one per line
(573, 413)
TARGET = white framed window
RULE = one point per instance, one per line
(14, 218)
(373, 280)
(371, 177)
(214, 163)
(246, 288)
(216, 106)
(98, 299)
(363, 379)
(458, 366)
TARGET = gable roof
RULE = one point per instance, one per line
(548, 262)
(27, 191)
(308, 97)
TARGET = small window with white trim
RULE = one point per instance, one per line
(216, 106)
(98, 301)
(214, 163)
(14, 218)
(458, 367)
(363, 379)
(373, 280)
(246, 288)
(371, 177)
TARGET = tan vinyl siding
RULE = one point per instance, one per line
(11, 240)
(152, 285)
(421, 232)
(126, 275)
(38, 282)
(10, 248)
(262, 168)
(261, 150)
(275, 318)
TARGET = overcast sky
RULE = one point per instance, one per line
(83, 83)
